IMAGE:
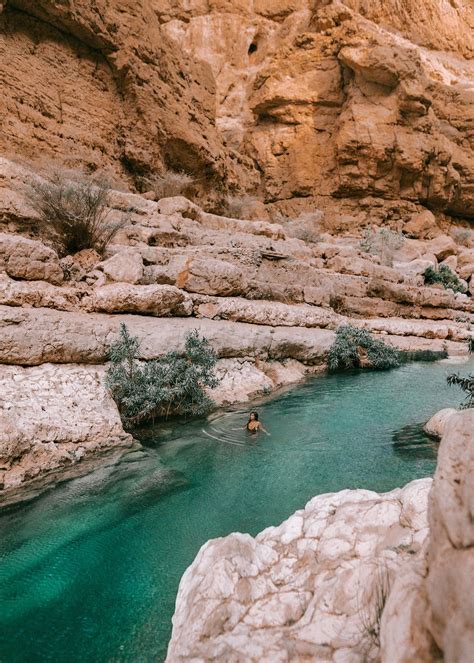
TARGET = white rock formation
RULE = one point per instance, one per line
(304, 591)
(52, 417)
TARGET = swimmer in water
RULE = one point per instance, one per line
(253, 425)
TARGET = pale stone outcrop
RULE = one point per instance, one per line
(159, 300)
(23, 258)
(52, 417)
(242, 380)
(436, 426)
(304, 590)
(429, 613)
(35, 336)
(125, 267)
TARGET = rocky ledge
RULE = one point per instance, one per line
(355, 576)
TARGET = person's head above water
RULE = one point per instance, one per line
(253, 416)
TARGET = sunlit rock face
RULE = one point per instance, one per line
(343, 100)
(363, 109)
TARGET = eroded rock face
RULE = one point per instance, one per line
(429, 612)
(360, 108)
(52, 417)
(302, 590)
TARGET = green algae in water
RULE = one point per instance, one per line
(89, 571)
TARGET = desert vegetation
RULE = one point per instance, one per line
(354, 348)
(173, 384)
(306, 226)
(74, 210)
(467, 386)
(445, 277)
(169, 183)
(383, 243)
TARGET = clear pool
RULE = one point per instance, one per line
(89, 571)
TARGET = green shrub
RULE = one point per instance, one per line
(445, 276)
(467, 385)
(470, 345)
(356, 347)
(74, 209)
(172, 384)
(383, 242)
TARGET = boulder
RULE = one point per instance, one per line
(159, 300)
(451, 262)
(208, 276)
(451, 543)
(51, 417)
(124, 267)
(422, 226)
(28, 259)
(465, 266)
(442, 247)
(297, 591)
(436, 426)
(414, 267)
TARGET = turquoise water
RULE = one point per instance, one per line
(89, 571)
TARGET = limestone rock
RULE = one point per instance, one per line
(443, 246)
(210, 277)
(451, 545)
(429, 613)
(159, 300)
(34, 336)
(422, 226)
(436, 426)
(298, 590)
(23, 258)
(51, 417)
(268, 313)
(125, 267)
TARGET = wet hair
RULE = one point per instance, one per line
(255, 414)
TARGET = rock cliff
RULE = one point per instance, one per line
(350, 571)
(362, 109)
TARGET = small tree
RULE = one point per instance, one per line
(445, 276)
(172, 384)
(355, 347)
(75, 210)
(383, 242)
(467, 385)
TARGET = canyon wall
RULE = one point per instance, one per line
(362, 109)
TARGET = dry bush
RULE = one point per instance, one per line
(169, 183)
(239, 207)
(462, 236)
(306, 226)
(382, 242)
(74, 210)
(373, 604)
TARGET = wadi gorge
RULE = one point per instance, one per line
(317, 124)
